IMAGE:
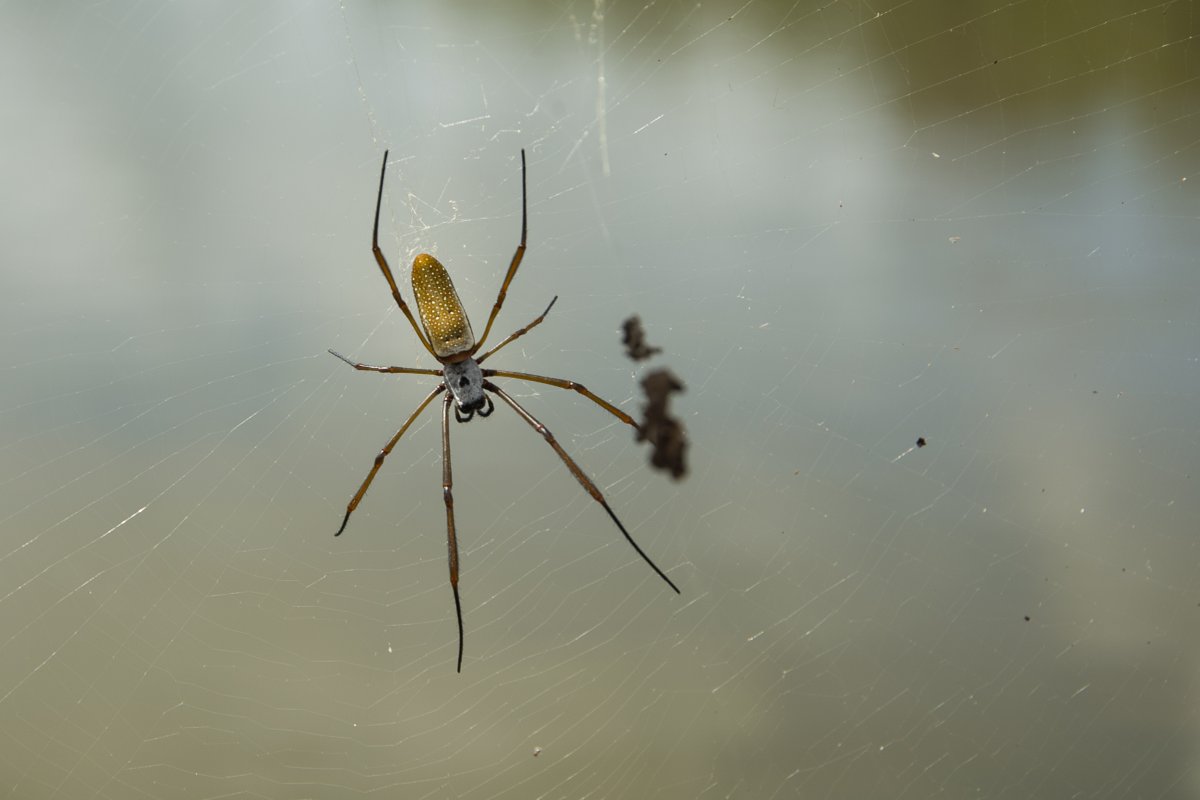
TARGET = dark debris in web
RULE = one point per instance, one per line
(665, 433)
(633, 336)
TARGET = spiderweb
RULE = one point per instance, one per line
(848, 225)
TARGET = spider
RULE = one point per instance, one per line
(465, 385)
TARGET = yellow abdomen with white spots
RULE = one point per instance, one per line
(442, 314)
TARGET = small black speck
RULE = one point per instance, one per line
(921, 441)
(1027, 618)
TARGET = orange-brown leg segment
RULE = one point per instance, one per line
(562, 383)
(362, 490)
(516, 259)
(383, 265)
(451, 534)
(583, 479)
(390, 370)
(519, 333)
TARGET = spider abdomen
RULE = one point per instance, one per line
(441, 311)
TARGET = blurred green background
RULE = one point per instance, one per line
(847, 224)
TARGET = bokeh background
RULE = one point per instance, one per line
(847, 224)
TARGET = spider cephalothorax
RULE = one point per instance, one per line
(464, 379)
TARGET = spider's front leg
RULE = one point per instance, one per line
(388, 370)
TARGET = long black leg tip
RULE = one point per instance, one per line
(639, 550)
(458, 613)
(346, 519)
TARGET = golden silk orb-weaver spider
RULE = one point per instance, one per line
(448, 337)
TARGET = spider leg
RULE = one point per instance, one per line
(562, 383)
(518, 334)
(451, 535)
(383, 265)
(392, 370)
(362, 490)
(583, 479)
(516, 259)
